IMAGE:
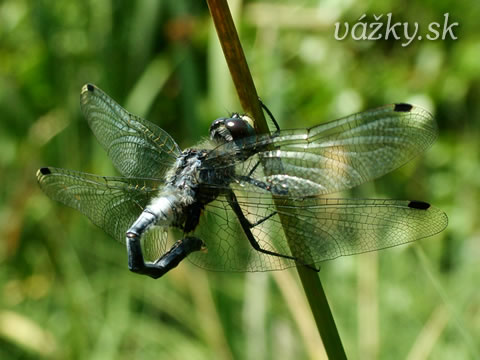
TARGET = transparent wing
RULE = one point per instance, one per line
(318, 228)
(137, 147)
(112, 203)
(330, 157)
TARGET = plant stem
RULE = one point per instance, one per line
(232, 49)
(247, 94)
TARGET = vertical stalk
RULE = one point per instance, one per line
(237, 64)
(247, 94)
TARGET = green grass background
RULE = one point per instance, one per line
(65, 290)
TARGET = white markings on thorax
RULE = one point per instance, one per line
(179, 191)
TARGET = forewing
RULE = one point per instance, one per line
(112, 203)
(330, 157)
(319, 229)
(137, 147)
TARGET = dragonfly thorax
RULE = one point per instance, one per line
(180, 191)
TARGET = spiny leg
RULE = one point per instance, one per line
(267, 110)
(179, 251)
(261, 185)
(254, 168)
(276, 190)
(246, 226)
(261, 220)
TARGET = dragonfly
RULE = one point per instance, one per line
(246, 202)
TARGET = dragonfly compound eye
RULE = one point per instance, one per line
(239, 128)
(231, 129)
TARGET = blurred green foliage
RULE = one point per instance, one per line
(65, 289)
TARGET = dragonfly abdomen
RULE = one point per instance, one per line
(165, 209)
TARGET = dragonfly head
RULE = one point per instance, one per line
(232, 128)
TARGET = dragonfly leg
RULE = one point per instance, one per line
(167, 261)
(261, 220)
(254, 168)
(246, 226)
(267, 110)
(262, 185)
(252, 225)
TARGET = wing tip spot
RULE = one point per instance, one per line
(420, 205)
(44, 171)
(88, 87)
(403, 107)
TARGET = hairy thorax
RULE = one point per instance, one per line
(174, 203)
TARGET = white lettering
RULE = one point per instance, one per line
(376, 28)
(405, 26)
(432, 30)
(337, 27)
(363, 25)
(448, 29)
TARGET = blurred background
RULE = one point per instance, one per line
(65, 290)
